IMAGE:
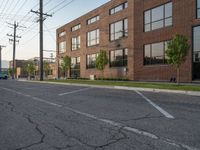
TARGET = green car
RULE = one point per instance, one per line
(3, 76)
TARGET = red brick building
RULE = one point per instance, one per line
(135, 34)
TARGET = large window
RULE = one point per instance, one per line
(198, 8)
(92, 20)
(76, 43)
(62, 47)
(196, 45)
(76, 27)
(93, 37)
(119, 58)
(155, 53)
(75, 67)
(158, 17)
(91, 60)
(62, 34)
(118, 8)
(119, 29)
(196, 52)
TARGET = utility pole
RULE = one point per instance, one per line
(41, 20)
(1, 46)
(15, 26)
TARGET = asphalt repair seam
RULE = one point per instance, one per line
(106, 121)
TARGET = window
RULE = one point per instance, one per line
(93, 37)
(92, 20)
(61, 34)
(75, 67)
(76, 27)
(198, 8)
(118, 8)
(91, 60)
(155, 53)
(119, 29)
(76, 43)
(158, 17)
(196, 44)
(62, 47)
(119, 58)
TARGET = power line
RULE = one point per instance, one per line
(59, 9)
(57, 5)
(50, 33)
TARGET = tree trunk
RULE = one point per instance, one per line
(178, 76)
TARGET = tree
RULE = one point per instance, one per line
(65, 65)
(46, 68)
(10, 71)
(30, 68)
(177, 51)
(101, 60)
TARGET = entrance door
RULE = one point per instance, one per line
(196, 53)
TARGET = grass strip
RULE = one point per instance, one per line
(169, 86)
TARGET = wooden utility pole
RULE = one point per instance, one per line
(41, 20)
(15, 26)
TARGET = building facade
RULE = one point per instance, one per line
(134, 34)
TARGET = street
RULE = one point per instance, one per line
(35, 116)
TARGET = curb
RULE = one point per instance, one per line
(190, 93)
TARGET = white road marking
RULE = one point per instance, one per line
(106, 121)
(72, 92)
(165, 113)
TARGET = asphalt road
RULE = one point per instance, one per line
(36, 116)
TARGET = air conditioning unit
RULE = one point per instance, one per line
(125, 69)
(92, 77)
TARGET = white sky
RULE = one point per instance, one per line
(19, 11)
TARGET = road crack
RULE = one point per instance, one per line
(112, 140)
(39, 131)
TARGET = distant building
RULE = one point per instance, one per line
(134, 33)
(19, 67)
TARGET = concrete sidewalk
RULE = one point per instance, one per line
(191, 93)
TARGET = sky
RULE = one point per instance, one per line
(19, 11)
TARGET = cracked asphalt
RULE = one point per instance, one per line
(35, 116)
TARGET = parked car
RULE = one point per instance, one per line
(3, 76)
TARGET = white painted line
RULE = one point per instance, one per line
(113, 123)
(72, 92)
(110, 122)
(165, 113)
(47, 102)
(106, 121)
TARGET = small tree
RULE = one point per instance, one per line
(101, 61)
(30, 68)
(177, 51)
(65, 65)
(46, 68)
(10, 71)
